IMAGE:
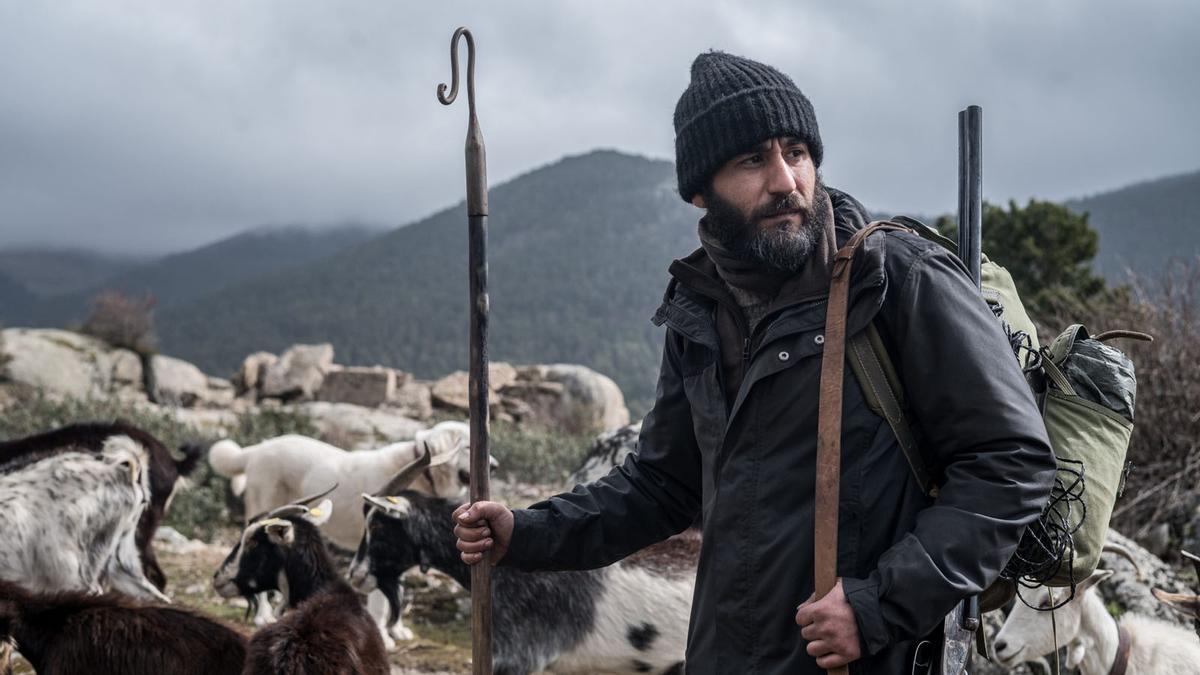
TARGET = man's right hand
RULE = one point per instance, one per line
(483, 527)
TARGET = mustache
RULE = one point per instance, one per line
(792, 203)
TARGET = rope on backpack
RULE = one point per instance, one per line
(1049, 544)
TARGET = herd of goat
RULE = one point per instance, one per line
(82, 592)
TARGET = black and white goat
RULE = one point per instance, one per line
(66, 633)
(327, 630)
(622, 618)
(165, 471)
(70, 520)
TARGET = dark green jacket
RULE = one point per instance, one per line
(747, 467)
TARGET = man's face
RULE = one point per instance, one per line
(767, 205)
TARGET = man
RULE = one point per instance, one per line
(732, 434)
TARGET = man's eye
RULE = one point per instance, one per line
(798, 152)
(752, 159)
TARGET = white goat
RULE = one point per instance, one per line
(1091, 635)
(282, 470)
(70, 521)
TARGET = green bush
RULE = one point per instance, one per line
(537, 455)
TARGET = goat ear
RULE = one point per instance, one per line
(1097, 577)
(280, 532)
(392, 505)
(319, 514)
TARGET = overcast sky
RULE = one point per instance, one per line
(154, 126)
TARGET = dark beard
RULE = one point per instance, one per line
(778, 249)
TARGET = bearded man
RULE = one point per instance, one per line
(732, 436)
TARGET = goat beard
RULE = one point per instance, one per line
(779, 248)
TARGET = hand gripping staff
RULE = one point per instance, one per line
(477, 216)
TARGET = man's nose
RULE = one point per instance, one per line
(780, 179)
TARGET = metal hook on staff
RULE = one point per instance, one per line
(441, 89)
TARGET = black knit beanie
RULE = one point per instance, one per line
(733, 104)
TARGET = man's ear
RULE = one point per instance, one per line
(698, 201)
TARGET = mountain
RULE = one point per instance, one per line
(577, 255)
(1143, 225)
(183, 277)
(47, 271)
(13, 295)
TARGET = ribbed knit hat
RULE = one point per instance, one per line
(732, 104)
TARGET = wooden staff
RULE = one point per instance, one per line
(477, 215)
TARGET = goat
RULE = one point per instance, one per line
(165, 471)
(327, 631)
(621, 618)
(1186, 603)
(280, 470)
(69, 632)
(1092, 636)
(608, 450)
(70, 520)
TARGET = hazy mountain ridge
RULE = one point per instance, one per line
(1143, 225)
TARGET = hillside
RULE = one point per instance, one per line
(578, 252)
(50, 271)
(183, 277)
(1142, 225)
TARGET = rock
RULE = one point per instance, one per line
(573, 398)
(355, 427)
(250, 375)
(369, 387)
(1191, 538)
(178, 382)
(62, 363)
(298, 373)
(413, 399)
(451, 391)
(500, 375)
(126, 369)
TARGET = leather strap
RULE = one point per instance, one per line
(829, 417)
(1121, 662)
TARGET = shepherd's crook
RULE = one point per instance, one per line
(477, 215)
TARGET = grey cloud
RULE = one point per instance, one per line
(149, 126)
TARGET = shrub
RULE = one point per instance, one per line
(123, 321)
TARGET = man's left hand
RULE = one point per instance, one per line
(829, 627)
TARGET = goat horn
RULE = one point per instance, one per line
(296, 508)
(1110, 547)
(406, 475)
(1195, 561)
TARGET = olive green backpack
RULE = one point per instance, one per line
(1086, 392)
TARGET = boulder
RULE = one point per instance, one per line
(356, 427)
(298, 373)
(369, 387)
(573, 398)
(62, 363)
(451, 391)
(413, 399)
(178, 382)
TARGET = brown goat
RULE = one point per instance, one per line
(164, 471)
(68, 632)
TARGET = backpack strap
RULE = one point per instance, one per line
(884, 395)
(829, 417)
